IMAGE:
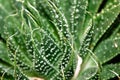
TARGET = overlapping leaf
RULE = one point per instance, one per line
(103, 22)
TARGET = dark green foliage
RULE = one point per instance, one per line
(59, 39)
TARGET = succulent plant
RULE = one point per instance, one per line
(59, 39)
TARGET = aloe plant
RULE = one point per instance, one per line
(59, 39)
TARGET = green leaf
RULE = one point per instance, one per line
(77, 17)
(6, 70)
(56, 17)
(64, 6)
(107, 50)
(103, 21)
(116, 33)
(94, 6)
(92, 9)
(56, 57)
(110, 3)
(4, 53)
(6, 5)
(78, 11)
(86, 41)
(110, 71)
